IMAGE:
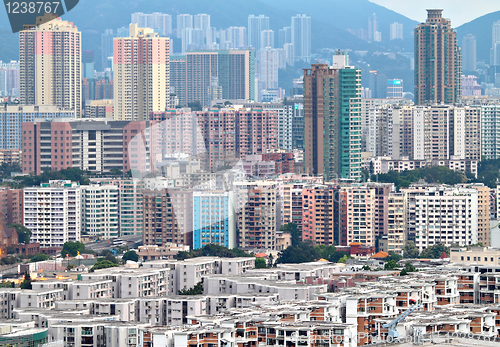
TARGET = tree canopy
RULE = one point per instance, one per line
(23, 233)
(102, 264)
(130, 255)
(196, 290)
(72, 174)
(435, 251)
(430, 174)
(488, 172)
(213, 251)
(260, 263)
(410, 250)
(306, 252)
(295, 233)
(40, 257)
(26, 283)
(72, 248)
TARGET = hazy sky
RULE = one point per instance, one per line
(459, 11)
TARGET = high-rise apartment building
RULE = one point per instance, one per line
(438, 62)
(213, 219)
(95, 145)
(255, 26)
(162, 219)
(129, 205)
(301, 37)
(266, 39)
(11, 206)
(100, 211)
(360, 215)
(495, 44)
(469, 53)
(160, 22)
(396, 222)
(256, 131)
(332, 121)
(141, 74)
(441, 214)
(107, 49)
(490, 131)
(9, 78)
(184, 21)
(178, 78)
(50, 65)
(52, 212)
(396, 31)
(321, 216)
(285, 36)
(218, 128)
(237, 36)
(269, 63)
(394, 88)
(483, 212)
(12, 118)
(256, 216)
(234, 71)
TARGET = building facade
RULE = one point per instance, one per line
(96, 145)
(100, 211)
(50, 65)
(53, 213)
(332, 121)
(213, 219)
(141, 74)
(438, 61)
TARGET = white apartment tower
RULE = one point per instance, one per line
(100, 211)
(301, 37)
(52, 213)
(396, 31)
(441, 214)
(141, 74)
(50, 65)
(360, 206)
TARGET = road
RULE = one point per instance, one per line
(108, 244)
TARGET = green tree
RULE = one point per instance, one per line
(26, 283)
(343, 259)
(260, 263)
(102, 264)
(410, 250)
(407, 269)
(431, 174)
(195, 106)
(270, 261)
(325, 251)
(72, 248)
(211, 250)
(295, 233)
(393, 256)
(23, 233)
(116, 172)
(7, 284)
(366, 268)
(109, 256)
(335, 257)
(391, 265)
(40, 257)
(130, 255)
(196, 290)
(300, 253)
(435, 251)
